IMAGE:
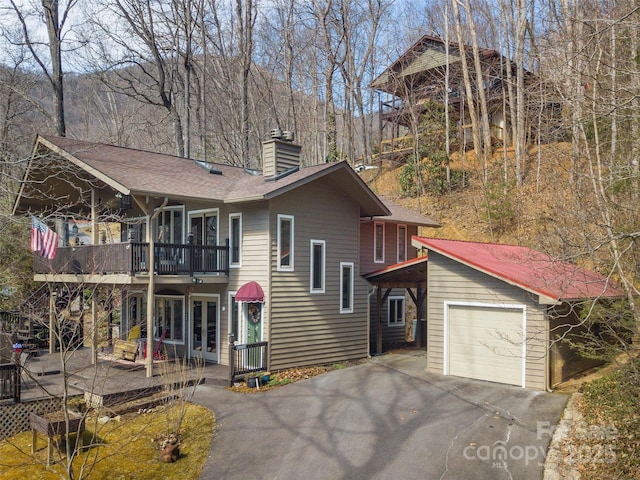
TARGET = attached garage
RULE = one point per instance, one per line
(486, 342)
(491, 310)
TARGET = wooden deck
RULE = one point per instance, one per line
(109, 377)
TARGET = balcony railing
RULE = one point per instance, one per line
(10, 381)
(131, 258)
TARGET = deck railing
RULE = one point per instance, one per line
(10, 381)
(132, 257)
(247, 358)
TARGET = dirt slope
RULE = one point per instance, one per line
(541, 214)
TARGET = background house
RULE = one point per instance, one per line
(419, 77)
(495, 311)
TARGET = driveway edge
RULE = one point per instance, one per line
(554, 467)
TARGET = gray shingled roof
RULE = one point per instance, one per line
(400, 214)
(140, 172)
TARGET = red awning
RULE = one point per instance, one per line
(250, 292)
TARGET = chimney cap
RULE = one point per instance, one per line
(288, 135)
(276, 133)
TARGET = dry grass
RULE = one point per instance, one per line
(120, 449)
(605, 443)
(291, 375)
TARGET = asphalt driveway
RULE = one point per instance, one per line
(387, 418)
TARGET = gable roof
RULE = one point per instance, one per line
(552, 279)
(138, 172)
(400, 214)
(426, 54)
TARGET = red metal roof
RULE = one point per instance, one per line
(524, 267)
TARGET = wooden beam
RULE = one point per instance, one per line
(400, 284)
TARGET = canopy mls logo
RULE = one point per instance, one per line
(595, 446)
(500, 454)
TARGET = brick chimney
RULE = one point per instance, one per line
(279, 154)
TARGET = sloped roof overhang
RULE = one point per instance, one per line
(141, 173)
(551, 280)
(409, 274)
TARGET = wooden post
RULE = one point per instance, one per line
(52, 321)
(379, 323)
(94, 307)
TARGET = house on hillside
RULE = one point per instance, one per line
(418, 77)
(206, 251)
(495, 312)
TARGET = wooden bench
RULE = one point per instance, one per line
(125, 350)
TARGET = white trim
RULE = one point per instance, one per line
(245, 320)
(375, 241)
(290, 267)
(155, 223)
(230, 303)
(404, 311)
(185, 329)
(207, 296)
(323, 244)
(203, 213)
(506, 306)
(351, 286)
(231, 245)
(406, 232)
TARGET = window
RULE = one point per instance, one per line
(203, 225)
(378, 242)
(169, 225)
(234, 318)
(133, 230)
(136, 312)
(235, 239)
(204, 232)
(285, 243)
(346, 287)
(396, 311)
(402, 243)
(317, 266)
(170, 317)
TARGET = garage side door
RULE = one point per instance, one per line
(486, 343)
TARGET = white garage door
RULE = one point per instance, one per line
(486, 343)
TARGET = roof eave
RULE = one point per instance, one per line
(82, 165)
(379, 206)
(544, 297)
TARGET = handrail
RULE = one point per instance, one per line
(247, 358)
(10, 381)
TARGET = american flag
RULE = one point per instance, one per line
(43, 239)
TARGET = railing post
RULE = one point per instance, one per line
(232, 360)
(265, 356)
(16, 383)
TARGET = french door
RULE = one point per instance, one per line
(203, 228)
(205, 328)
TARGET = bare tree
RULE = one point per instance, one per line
(150, 57)
(55, 16)
(470, 99)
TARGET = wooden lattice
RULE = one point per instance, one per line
(14, 417)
